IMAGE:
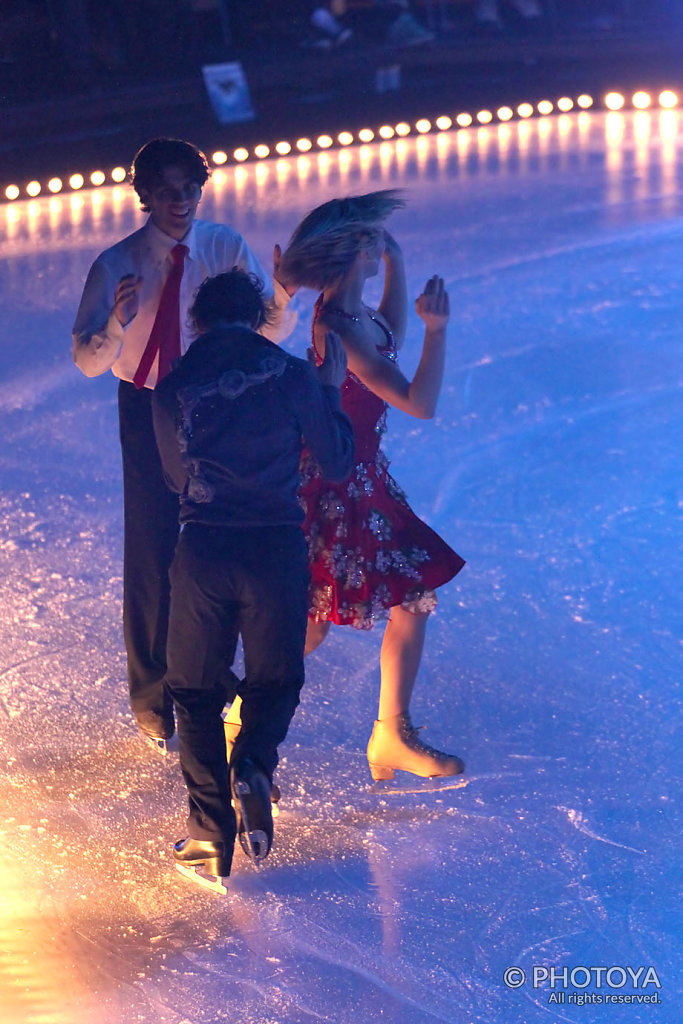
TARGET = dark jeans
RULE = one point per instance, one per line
(226, 582)
(150, 533)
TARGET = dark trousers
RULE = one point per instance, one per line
(227, 582)
(150, 534)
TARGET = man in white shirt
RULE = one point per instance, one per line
(121, 326)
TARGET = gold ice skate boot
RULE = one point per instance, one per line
(232, 731)
(395, 746)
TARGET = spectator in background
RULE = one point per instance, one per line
(389, 20)
(488, 13)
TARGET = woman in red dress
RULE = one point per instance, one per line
(371, 558)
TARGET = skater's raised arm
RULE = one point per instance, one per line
(281, 320)
(106, 309)
(394, 303)
(417, 397)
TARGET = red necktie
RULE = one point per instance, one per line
(165, 335)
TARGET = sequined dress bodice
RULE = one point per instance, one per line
(366, 410)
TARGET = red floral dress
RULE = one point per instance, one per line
(368, 551)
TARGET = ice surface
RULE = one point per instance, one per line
(552, 665)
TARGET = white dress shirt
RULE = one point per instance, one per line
(100, 343)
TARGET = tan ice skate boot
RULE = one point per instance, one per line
(394, 745)
(232, 731)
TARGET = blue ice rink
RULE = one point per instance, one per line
(552, 666)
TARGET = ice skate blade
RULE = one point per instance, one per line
(419, 785)
(250, 837)
(248, 841)
(217, 883)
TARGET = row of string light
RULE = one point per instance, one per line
(614, 101)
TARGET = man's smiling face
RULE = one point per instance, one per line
(173, 202)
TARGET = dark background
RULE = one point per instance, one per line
(84, 83)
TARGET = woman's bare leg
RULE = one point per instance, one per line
(394, 743)
(400, 660)
(315, 634)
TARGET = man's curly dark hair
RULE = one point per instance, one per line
(229, 298)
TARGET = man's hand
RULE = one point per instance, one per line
(127, 298)
(433, 305)
(332, 370)
(291, 289)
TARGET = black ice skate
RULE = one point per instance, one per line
(204, 862)
(251, 796)
(157, 728)
(232, 731)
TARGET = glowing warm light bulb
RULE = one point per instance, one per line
(423, 125)
(525, 110)
(668, 99)
(585, 101)
(464, 120)
(484, 117)
(241, 154)
(366, 135)
(283, 148)
(545, 107)
(443, 123)
(12, 192)
(345, 138)
(303, 145)
(641, 100)
(219, 157)
(505, 113)
(55, 185)
(386, 131)
(565, 104)
(402, 128)
(261, 151)
(97, 178)
(33, 188)
(324, 141)
(614, 101)
(76, 181)
(118, 174)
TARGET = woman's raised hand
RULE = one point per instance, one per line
(433, 305)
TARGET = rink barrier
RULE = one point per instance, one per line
(614, 101)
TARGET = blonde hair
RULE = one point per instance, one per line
(326, 243)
